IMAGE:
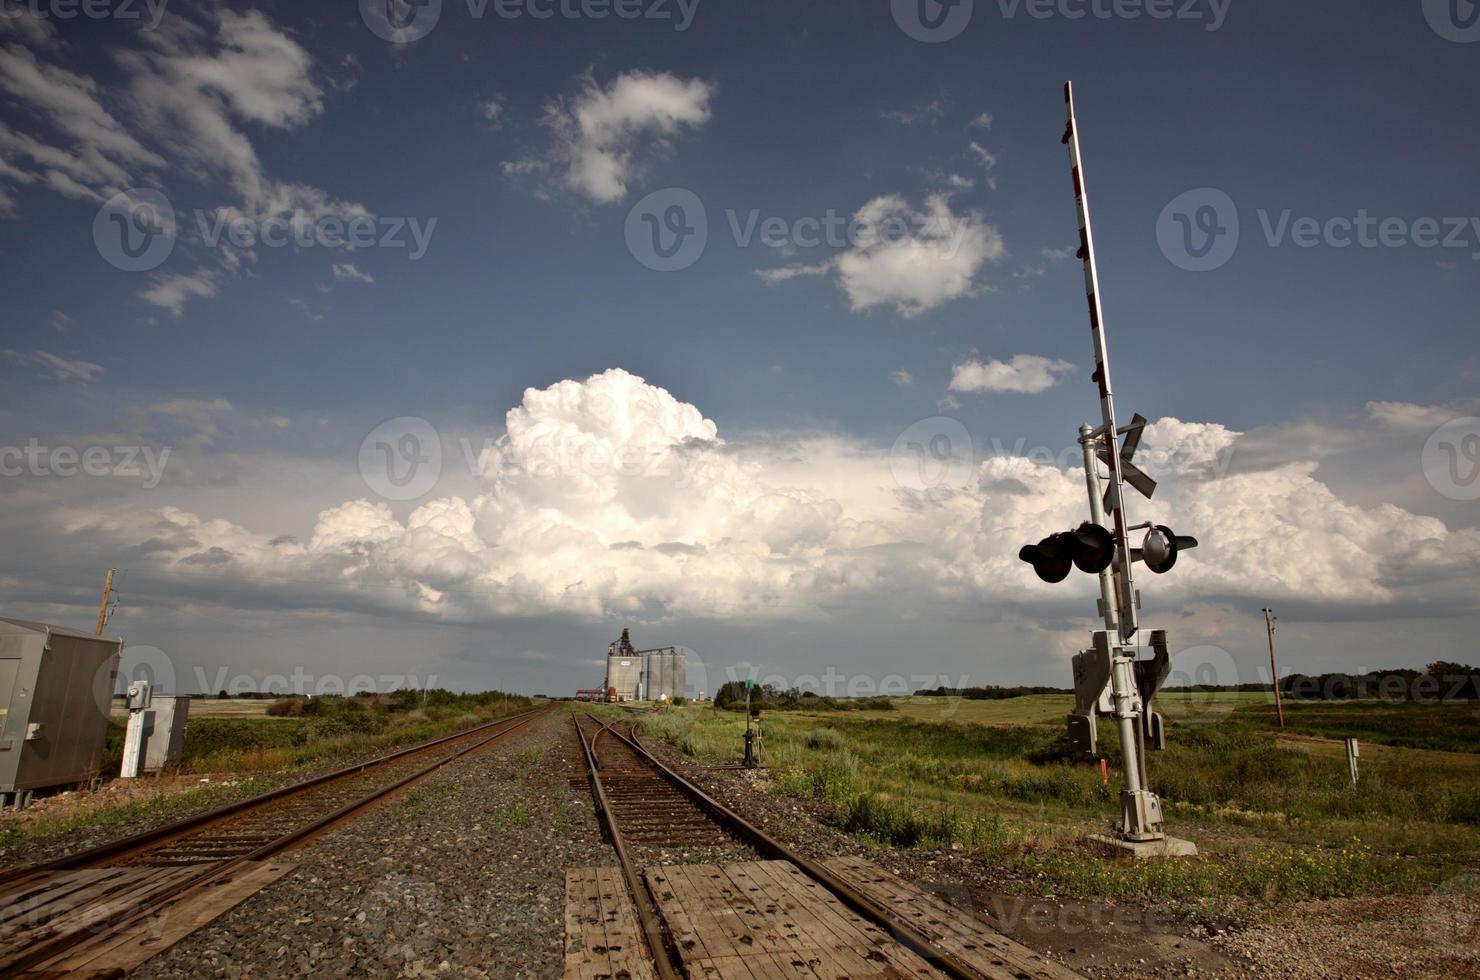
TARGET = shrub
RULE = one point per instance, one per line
(285, 708)
(824, 738)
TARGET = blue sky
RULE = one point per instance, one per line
(1317, 374)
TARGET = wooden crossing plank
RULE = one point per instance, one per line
(26, 903)
(115, 952)
(963, 934)
(603, 938)
(85, 912)
(715, 935)
(862, 948)
(758, 920)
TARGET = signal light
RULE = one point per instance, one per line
(1090, 548)
(1160, 548)
(1096, 549)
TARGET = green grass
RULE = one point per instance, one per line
(1274, 813)
(309, 733)
(162, 809)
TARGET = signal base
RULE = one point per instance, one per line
(1141, 850)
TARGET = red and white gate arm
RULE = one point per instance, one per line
(1107, 431)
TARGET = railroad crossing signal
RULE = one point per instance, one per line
(1160, 548)
(1089, 548)
(1129, 472)
(1111, 678)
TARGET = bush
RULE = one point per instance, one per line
(322, 730)
(285, 708)
(824, 738)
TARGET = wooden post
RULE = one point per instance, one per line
(103, 606)
(1274, 670)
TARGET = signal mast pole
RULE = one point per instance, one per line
(1088, 440)
(1141, 817)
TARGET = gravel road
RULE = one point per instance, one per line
(464, 876)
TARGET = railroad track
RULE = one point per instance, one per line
(197, 851)
(651, 813)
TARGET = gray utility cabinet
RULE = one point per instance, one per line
(56, 686)
(165, 732)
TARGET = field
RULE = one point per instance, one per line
(1273, 813)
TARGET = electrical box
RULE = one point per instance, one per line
(56, 687)
(164, 741)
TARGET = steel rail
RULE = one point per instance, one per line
(647, 916)
(747, 832)
(134, 843)
(211, 871)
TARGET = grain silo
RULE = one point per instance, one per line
(676, 676)
(623, 669)
(657, 677)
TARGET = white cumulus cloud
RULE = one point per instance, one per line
(1024, 373)
(908, 259)
(601, 137)
(611, 497)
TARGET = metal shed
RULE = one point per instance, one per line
(56, 686)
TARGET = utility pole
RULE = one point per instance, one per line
(1274, 670)
(103, 606)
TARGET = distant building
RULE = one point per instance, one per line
(651, 675)
(665, 674)
(623, 670)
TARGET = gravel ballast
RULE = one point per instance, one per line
(463, 876)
